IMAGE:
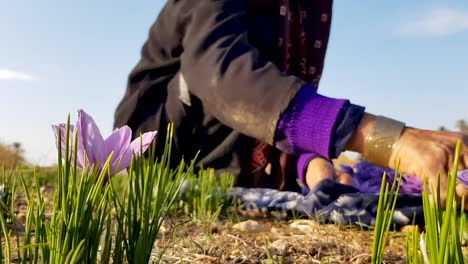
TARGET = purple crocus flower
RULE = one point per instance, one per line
(462, 176)
(94, 150)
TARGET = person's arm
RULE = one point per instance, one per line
(313, 123)
(424, 153)
(359, 135)
(351, 128)
(237, 86)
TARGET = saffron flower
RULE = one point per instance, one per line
(462, 176)
(94, 150)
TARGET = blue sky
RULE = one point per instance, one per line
(404, 59)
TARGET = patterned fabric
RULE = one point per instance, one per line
(304, 33)
(303, 38)
(331, 202)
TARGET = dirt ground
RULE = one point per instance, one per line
(259, 238)
(266, 240)
(274, 241)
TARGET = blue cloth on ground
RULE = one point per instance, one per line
(332, 202)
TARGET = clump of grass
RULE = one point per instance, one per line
(7, 212)
(207, 195)
(45, 176)
(81, 209)
(441, 240)
(152, 189)
(412, 246)
(5, 254)
(35, 216)
(7, 191)
(267, 251)
(79, 228)
(385, 210)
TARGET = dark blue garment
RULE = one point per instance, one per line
(332, 202)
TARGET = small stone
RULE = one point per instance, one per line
(251, 226)
(306, 226)
(164, 230)
(279, 247)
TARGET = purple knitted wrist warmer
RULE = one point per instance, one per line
(307, 124)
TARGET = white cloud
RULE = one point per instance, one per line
(11, 75)
(435, 22)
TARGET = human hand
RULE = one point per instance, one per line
(319, 169)
(426, 153)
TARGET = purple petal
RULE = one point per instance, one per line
(90, 141)
(119, 143)
(125, 159)
(462, 177)
(55, 128)
(71, 150)
(146, 139)
(63, 136)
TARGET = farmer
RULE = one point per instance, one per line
(239, 78)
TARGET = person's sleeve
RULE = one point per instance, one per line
(347, 121)
(313, 123)
(220, 67)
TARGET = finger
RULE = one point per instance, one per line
(318, 170)
(461, 191)
(344, 178)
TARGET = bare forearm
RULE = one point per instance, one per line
(375, 138)
(356, 142)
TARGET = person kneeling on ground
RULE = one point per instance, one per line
(238, 79)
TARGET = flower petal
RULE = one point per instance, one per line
(79, 161)
(56, 128)
(146, 139)
(119, 144)
(63, 135)
(462, 177)
(81, 158)
(125, 160)
(92, 142)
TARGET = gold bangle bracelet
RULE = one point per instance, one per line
(380, 141)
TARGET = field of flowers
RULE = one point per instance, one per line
(106, 202)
